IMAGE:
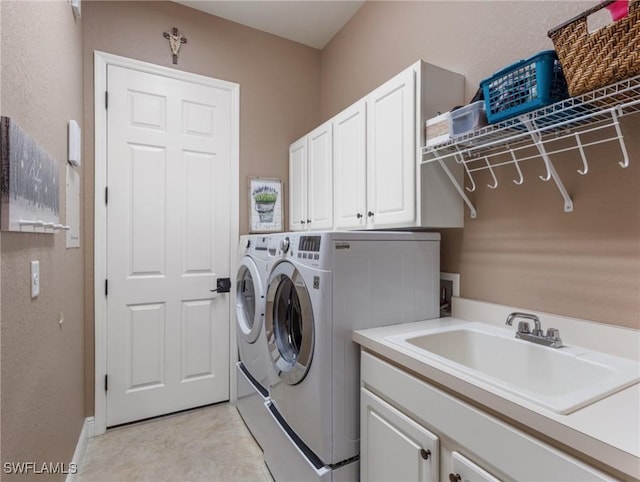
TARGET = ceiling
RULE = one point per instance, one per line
(309, 22)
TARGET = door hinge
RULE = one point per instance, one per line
(106, 383)
(106, 195)
(106, 99)
(106, 287)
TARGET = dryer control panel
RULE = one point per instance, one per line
(309, 243)
(309, 247)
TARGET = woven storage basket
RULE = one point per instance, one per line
(596, 59)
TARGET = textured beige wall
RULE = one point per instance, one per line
(522, 249)
(42, 362)
(279, 92)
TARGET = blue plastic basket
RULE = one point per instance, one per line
(524, 86)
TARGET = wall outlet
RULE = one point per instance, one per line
(35, 278)
(446, 288)
(455, 280)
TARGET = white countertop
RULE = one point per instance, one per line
(607, 430)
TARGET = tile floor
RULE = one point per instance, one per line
(205, 444)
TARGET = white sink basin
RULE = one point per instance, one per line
(560, 379)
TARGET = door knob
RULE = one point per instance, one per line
(223, 285)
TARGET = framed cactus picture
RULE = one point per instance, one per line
(265, 205)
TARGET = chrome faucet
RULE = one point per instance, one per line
(524, 332)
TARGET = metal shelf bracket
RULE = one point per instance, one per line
(472, 209)
(551, 170)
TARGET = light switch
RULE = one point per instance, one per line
(35, 278)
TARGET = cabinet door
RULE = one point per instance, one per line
(349, 166)
(320, 178)
(391, 152)
(298, 185)
(464, 470)
(393, 446)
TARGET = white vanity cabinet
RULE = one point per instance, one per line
(464, 470)
(397, 448)
(472, 444)
(311, 180)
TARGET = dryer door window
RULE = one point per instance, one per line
(249, 300)
(289, 323)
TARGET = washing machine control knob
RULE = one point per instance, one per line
(285, 243)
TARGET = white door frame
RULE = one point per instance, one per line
(101, 61)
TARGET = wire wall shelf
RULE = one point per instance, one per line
(574, 124)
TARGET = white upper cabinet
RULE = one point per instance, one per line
(298, 185)
(311, 179)
(320, 178)
(350, 167)
(363, 168)
(391, 153)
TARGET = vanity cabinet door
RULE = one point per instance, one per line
(393, 446)
(464, 470)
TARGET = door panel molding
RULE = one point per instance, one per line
(101, 62)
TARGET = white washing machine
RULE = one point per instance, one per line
(322, 287)
(254, 371)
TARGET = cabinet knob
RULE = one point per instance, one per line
(358, 216)
(308, 221)
(425, 454)
(302, 221)
(370, 214)
(454, 478)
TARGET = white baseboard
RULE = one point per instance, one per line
(85, 434)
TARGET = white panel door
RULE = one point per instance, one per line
(349, 167)
(320, 178)
(298, 185)
(391, 152)
(394, 447)
(168, 222)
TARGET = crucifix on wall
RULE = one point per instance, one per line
(175, 42)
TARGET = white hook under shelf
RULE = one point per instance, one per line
(625, 162)
(493, 174)
(515, 162)
(459, 157)
(585, 164)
